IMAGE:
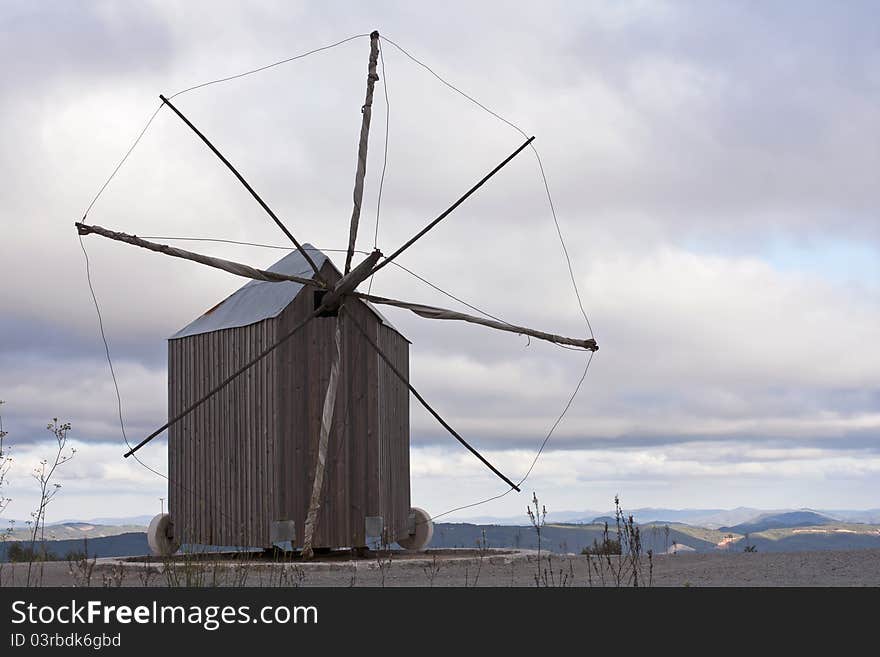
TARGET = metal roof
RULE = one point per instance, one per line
(259, 300)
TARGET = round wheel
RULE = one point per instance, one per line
(160, 536)
(423, 531)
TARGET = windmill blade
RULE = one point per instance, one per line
(427, 406)
(452, 207)
(323, 441)
(231, 266)
(246, 186)
(367, 113)
(432, 312)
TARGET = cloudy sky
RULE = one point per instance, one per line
(714, 169)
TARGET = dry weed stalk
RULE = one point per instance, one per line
(115, 577)
(44, 474)
(147, 573)
(538, 520)
(618, 561)
(5, 465)
(431, 571)
(80, 567)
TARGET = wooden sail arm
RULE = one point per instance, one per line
(237, 268)
(432, 312)
(247, 186)
(405, 380)
(415, 238)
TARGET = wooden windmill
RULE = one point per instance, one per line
(327, 303)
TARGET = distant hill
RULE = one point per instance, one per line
(710, 518)
(835, 536)
(869, 516)
(564, 538)
(142, 521)
(131, 521)
(576, 517)
(120, 545)
(77, 531)
(779, 521)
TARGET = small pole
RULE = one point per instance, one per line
(367, 113)
(162, 503)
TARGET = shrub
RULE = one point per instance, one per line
(607, 546)
(28, 554)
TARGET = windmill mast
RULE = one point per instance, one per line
(367, 113)
(332, 386)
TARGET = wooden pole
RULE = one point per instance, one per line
(347, 284)
(367, 113)
(237, 268)
(246, 186)
(311, 522)
(432, 312)
(453, 206)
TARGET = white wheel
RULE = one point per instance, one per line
(160, 536)
(421, 531)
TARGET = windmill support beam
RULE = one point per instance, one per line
(432, 312)
(230, 266)
(367, 113)
(333, 300)
(311, 522)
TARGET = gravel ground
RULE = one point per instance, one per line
(467, 568)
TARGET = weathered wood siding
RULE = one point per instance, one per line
(394, 432)
(246, 458)
(369, 442)
(220, 456)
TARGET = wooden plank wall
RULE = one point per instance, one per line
(247, 456)
(220, 456)
(303, 366)
(394, 485)
(356, 482)
(303, 373)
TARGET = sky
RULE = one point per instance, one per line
(713, 167)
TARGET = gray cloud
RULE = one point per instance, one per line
(683, 145)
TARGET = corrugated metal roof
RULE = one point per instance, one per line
(259, 300)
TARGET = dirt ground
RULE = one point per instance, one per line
(470, 568)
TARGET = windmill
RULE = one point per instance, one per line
(335, 296)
